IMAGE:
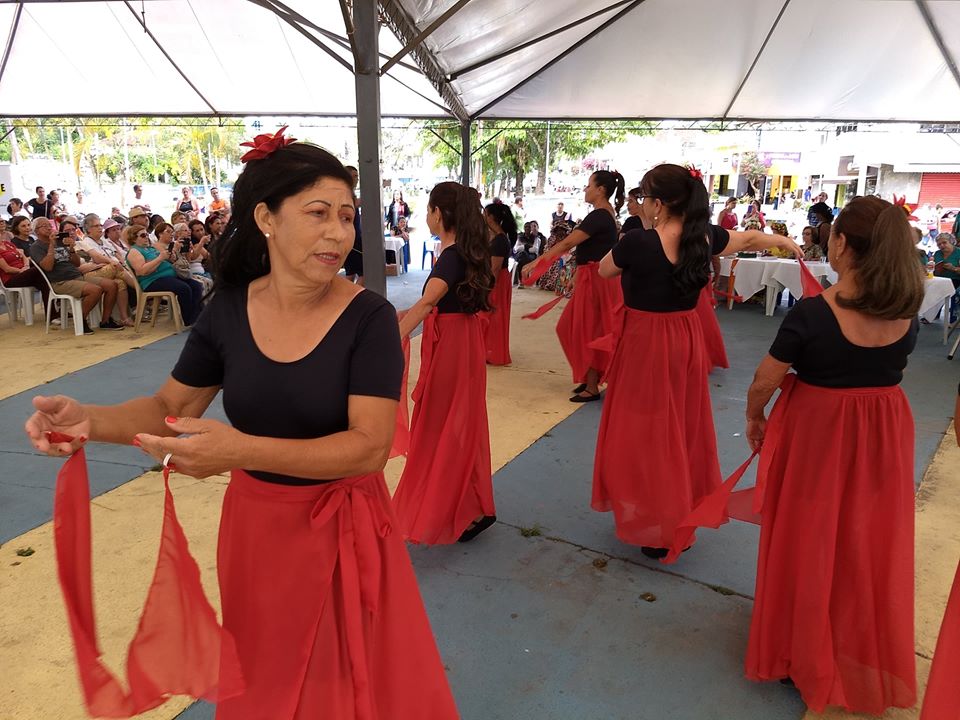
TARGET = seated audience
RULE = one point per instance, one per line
(155, 273)
(20, 230)
(102, 272)
(57, 257)
(811, 250)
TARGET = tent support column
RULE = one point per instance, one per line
(367, 28)
(465, 155)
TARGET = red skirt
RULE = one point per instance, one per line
(447, 481)
(942, 700)
(591, 321)
(319, 593)
(835, 579)
(656, 450)
(712, 337)
(498, 332)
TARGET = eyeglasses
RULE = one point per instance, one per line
(140, 235)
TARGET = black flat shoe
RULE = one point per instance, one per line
(578, 389)
(788, 681)
(589, 397)
(654, 553)
(478, 527)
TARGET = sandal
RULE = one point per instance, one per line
(589, 397)
(477, 527)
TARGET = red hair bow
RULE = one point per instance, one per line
(694, 173)
(902, 203)
(265, 145)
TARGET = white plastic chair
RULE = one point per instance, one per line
(23, 296)
(68, 303)
(154, 298)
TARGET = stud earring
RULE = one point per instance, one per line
(267, 235)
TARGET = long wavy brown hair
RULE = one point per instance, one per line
(889, 278)
(459, 209)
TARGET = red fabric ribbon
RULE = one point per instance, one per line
(179, 647)
(808, 283)
(540, 268)
(265, 145)
(724, 502)
(401, 434)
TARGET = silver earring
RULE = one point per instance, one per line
(267, 235)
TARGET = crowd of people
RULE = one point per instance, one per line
(317, 591)
(106, 261)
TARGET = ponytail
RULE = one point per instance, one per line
(460, 212)
(613, 185)
(505, 219)
(889, 279)
(692, 272)
(685, 196)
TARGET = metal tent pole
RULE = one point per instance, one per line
(366, 26)
(465, 156)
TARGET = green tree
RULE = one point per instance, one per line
(753, 169)
(505, 151)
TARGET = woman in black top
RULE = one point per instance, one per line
(446, 490)
(588, 326)
(316, 585)
(633, 210)
(502, 224)
(835, 579)
(656, 450)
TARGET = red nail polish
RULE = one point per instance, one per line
(82, 439)
(136, 442)
(170, 419)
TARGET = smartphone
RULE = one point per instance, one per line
(170, 247)
(61, 236)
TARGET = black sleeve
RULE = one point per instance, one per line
(793, 333)
(448, 268)
(625, 251)
(376, 362)
(719, 239)
(631, 223)
(594, 222)
(500, 246)
(201, 361)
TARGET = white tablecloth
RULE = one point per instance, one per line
(755, 274)
(395, 244)
(935, 291)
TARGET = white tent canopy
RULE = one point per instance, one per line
(836, 60)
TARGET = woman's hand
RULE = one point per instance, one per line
(756, 429)
(210, 448)
(528, 269)
(58, 414)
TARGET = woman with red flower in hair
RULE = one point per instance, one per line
(656, 449)
(317, 589)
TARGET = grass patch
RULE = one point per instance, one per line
(535, 531)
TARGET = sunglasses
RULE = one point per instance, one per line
(140, 235)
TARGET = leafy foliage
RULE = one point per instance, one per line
(154, 149)
(505, 151)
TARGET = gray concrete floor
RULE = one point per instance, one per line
(549, 626)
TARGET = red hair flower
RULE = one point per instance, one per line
(901, 202)
(694, 173)
(265, 145)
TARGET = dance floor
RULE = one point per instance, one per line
(546, 615)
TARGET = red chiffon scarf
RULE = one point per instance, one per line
(179, 647)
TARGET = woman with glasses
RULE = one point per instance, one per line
(155, 273)
(656, 452)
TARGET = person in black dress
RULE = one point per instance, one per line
(446, 490)
(656, 448)
(634, 198)
(591, 313)
(836, 552)
(353, 265)
(310, 366)
(503, 226)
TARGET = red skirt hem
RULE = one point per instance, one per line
(942, 699)
(712, 337)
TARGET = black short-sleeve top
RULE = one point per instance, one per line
(601, 229)
(452, 269)
(647, 278)
(631, 223)
(811, 340)
(304, 399)
(500, 247)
